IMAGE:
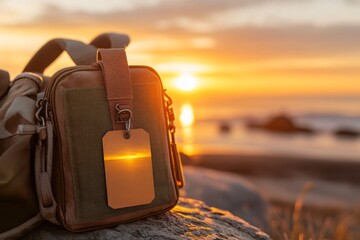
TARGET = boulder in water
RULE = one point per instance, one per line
(346, 133)
(280, 124)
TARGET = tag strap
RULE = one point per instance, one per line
(118, 88)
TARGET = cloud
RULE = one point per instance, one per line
(15, 11)
(200, 16)
(94, 7)
(235, 43)
(296, 41)
(155, 9)
(231, 32)
(235, 29)
(288, 13)
(266, 43)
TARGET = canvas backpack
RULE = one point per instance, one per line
(19, 209)
(61, 124)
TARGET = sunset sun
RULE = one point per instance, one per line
(186, 82)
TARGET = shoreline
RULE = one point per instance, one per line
(279, 166)
(281, 179)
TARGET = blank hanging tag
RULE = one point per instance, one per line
(128, 169)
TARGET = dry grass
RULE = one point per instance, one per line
(299, 222)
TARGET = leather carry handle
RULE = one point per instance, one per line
(117, 80)
(80, 53)
(111, 40)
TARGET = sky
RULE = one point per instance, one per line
(248, 47)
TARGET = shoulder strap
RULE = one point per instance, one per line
(111, 40)
(80, 53)
(20, 230)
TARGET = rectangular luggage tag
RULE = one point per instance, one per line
(128, 169)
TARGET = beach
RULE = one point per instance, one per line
(336, 184)
(282, 145)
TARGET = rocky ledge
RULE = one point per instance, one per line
(190, 219)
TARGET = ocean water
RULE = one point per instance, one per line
(199, 126)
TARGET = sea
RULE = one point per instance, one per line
(219, 126)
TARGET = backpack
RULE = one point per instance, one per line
(19, 209)
(94, 146)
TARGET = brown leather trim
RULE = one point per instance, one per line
(117, 81)
(67, 212)
(115, 220)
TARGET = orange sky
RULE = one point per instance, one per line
(230, 47)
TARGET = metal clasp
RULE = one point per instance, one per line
(124, 115)
(171, 116)
(42, 111)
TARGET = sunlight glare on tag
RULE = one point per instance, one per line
(128, 169)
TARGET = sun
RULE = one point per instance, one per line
(186, 82)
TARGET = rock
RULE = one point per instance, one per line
(224, 128)
(346, 133)
(185, 159)
(190, 219)
(227, 191)
(280, 124)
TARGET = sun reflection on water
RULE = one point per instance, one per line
(187, 115)
(187, 120)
